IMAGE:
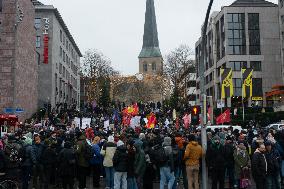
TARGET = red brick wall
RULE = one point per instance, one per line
(17, 50)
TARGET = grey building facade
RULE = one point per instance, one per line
(242, 35)
(59, 79)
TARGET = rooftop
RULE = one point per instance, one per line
(252, 3)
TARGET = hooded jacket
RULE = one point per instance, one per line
(120, 159)
(108, 151)
(259, 165)
(140, 161)
(193, 153)
(80, 151)
(67, 159)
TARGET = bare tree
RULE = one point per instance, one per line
(176, 61)
(96, 68)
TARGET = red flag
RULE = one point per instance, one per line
(151, 121)
(224, 118)
(177, 123)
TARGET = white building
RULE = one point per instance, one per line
(59, 64)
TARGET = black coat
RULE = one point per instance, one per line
(216, 156)
(49, 157)
(273, 163)
(30, 157)
(258, 166)
(229, 155)
(120, 159)
(67, 162)
(131, 160)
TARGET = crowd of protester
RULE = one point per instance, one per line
(51, 157)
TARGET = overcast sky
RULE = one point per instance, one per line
(115, 27)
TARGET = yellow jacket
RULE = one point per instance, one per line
(193, 153)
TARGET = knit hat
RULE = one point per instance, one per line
(167, 141)
(110, 139)
(216, 138)
(142, 136)
(119, 143)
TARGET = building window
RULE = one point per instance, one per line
(145, 67)
(37, 23)
(63, 56)
(222, 37)
(255, 65)
(61, 35)
(60, 52)
(282, 19)
(237, 66)
(236, 34)
(254, 34)
(38, 40)
(154, 66)
(257, 87)
(237, 87)
(218, 40)
(281, 3)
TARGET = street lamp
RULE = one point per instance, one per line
(203, 97)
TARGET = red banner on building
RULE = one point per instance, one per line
(45, 49)
(224, 117)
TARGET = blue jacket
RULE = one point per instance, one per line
(97, 158)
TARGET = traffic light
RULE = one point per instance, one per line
(195, 111)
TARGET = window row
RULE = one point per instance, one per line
(153, 65)
(238, 65)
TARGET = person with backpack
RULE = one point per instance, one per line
(83, 154)
(166, 164)
(107, 152)
(28, 160)
(67, 165)
(96, 162)
(12, 152)
(120, 164)
(192, 155)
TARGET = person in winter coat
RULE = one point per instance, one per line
(139, 164)
(131, 180)
(192, 155)
(29, 160)
(107, 152)
(82, 163)
(67, 166)
(38, 148)
(49, 161)
(229, 159)
(96, 162)
(167, 169)
(120, 164)
(259, 167)
(216, 162)
(241, 161)
(273, 158)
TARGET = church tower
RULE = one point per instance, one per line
(150, 57)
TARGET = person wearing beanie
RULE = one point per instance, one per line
(120, 164)
(259, 166)
(107, 152)
(28, 162)
(216, 162)
(229, 148)
(192, 155)
(96, 162)
(167, 164)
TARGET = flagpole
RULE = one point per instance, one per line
(243, 105)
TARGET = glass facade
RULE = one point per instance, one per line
(237, 65)
(237, 87)
(236, 34)
(255, 65)
(254, 34)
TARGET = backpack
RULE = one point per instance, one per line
(89, 154)
(13, 153)
(160, 156)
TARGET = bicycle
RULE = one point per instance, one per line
(6, 183)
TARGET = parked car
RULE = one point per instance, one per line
(276, 126)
